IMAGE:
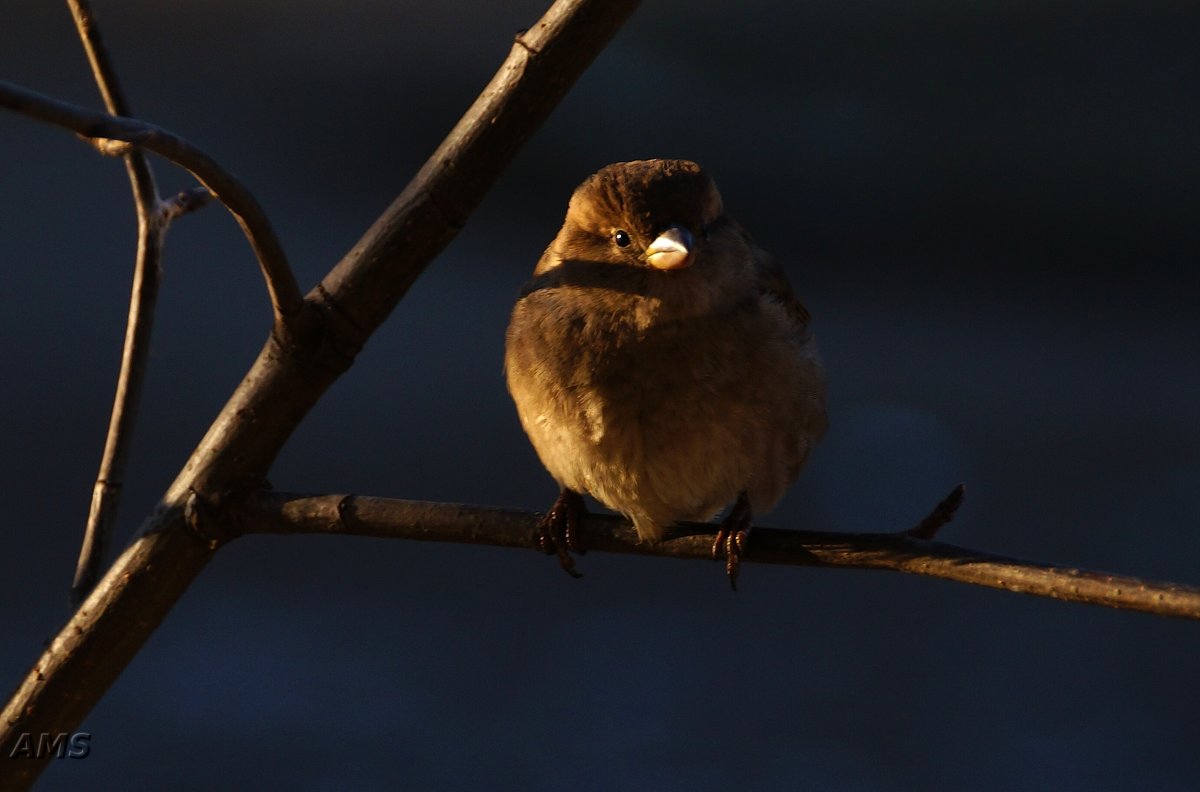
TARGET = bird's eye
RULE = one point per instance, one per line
(621, 237)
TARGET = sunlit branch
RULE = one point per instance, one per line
(901, 551)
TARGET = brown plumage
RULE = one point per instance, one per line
(660, 361)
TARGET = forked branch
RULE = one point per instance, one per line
(102, 128)
(295, 368)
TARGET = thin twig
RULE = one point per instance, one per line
(114, 97)
(286, 299)
(941, 514)
(283, 513)
(147, 270)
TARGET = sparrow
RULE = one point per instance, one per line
(660, 362)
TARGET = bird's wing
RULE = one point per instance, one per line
(773, 281)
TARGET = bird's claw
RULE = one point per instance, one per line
(558, 529)
(731, 538)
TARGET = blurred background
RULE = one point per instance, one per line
(990, 209)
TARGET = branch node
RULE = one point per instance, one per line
(344, 505)
(184, 202)
(520, 41)
(217, 521)
(344, 335)
(196, 514)
(108, 146)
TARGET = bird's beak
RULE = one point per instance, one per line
(671, 250)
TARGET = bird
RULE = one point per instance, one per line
(661, 363)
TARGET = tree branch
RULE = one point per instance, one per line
(283, 513)
(294, 368)
(103, 128)
(140, 175)
(543, 64)
(147, 270)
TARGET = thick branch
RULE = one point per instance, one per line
(103, 128)
(541, 67)
(274, 512)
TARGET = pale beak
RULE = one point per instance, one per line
(671, 250)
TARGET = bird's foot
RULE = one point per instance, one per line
(557, 530)
(732, 537)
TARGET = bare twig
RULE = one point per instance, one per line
(941, 514)
(114, 98)
(275, 512)
(225, 187)
(147, 270)
(291, 372)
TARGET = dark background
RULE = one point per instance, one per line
(991, 211)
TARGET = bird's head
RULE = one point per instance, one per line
(647, 213)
